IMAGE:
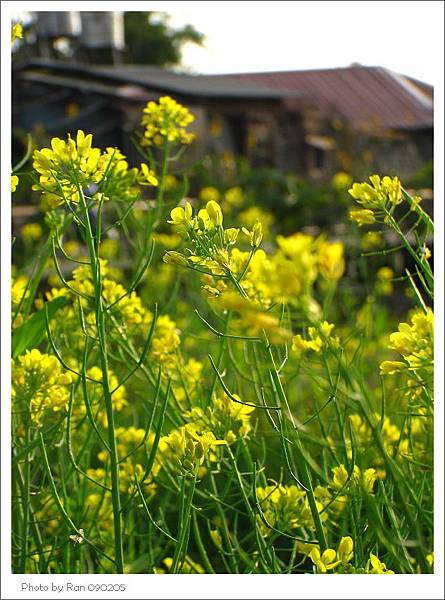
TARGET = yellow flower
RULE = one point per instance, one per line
(216, 537)
(330, 260)
(345, 549)
(234, 196)
(18, 288)
(187, 447)
(324, 562)
(371, 240)
(208, 194)
(147, 176)
(365, 478)
(416, 200)
(256, 235)
(365, 216)
(415, 341)
(231, 235)
(188, 566)
(73, 163)
(341, 180)
(14, 182)
(380, 197)
(319, 337)
(31, 232)
(16, 32)
(175, 258)
(214, 211)
(376, 567)
(181, 217)
(39, 384)
(166, 121)
(389, 367)
(385, 273)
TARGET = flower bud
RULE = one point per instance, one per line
(214, 212)
(175, 258)
(256, 235)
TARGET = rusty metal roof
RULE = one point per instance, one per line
(369, 98)
(365, 96)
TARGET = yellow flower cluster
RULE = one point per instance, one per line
(339, 560)
(125, 308)
(393, 438)
(384, 285)
(187, 379)
(414, 342)
(31, 232)
(186, 448)
(252, 319)
(16, 32)
(260, 280)
(95, 392)
(289, 274)
(233, 198)
(319, 338)
(132, 446)
(73, 165)
(286, 507)
(209, 194)
(330, 559)
(210, 242)
(39, 385)
(18, 290)
(227, 419)
(14, 183)
(341, 180)
(375, 566)
(379, 198)
(365, 479)
(251, 215)
(166, 121)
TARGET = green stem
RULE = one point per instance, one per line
(161, 187)
(25, 501)
(184, 525)
(301, 460)
(222, 349)
(422, 264)
(101, 334)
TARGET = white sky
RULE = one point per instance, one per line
(406, 37)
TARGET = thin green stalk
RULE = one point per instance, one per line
(161, 187)
(59, 504)
(199, 543)
(184, 524)
(101, 334)
(25, 500)
(301, 460)
(224, 525)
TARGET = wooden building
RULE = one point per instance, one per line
(313, 123)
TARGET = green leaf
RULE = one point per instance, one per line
(31, 333)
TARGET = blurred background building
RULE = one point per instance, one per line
(76, 70)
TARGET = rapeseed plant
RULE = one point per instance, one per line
(214, 411)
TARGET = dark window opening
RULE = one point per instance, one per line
(319, 158)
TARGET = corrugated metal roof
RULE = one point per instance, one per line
(156, 78)
(368, 97)
(365, 96)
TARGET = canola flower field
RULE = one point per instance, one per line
(195, 392)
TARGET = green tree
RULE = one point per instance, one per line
(150, 40)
